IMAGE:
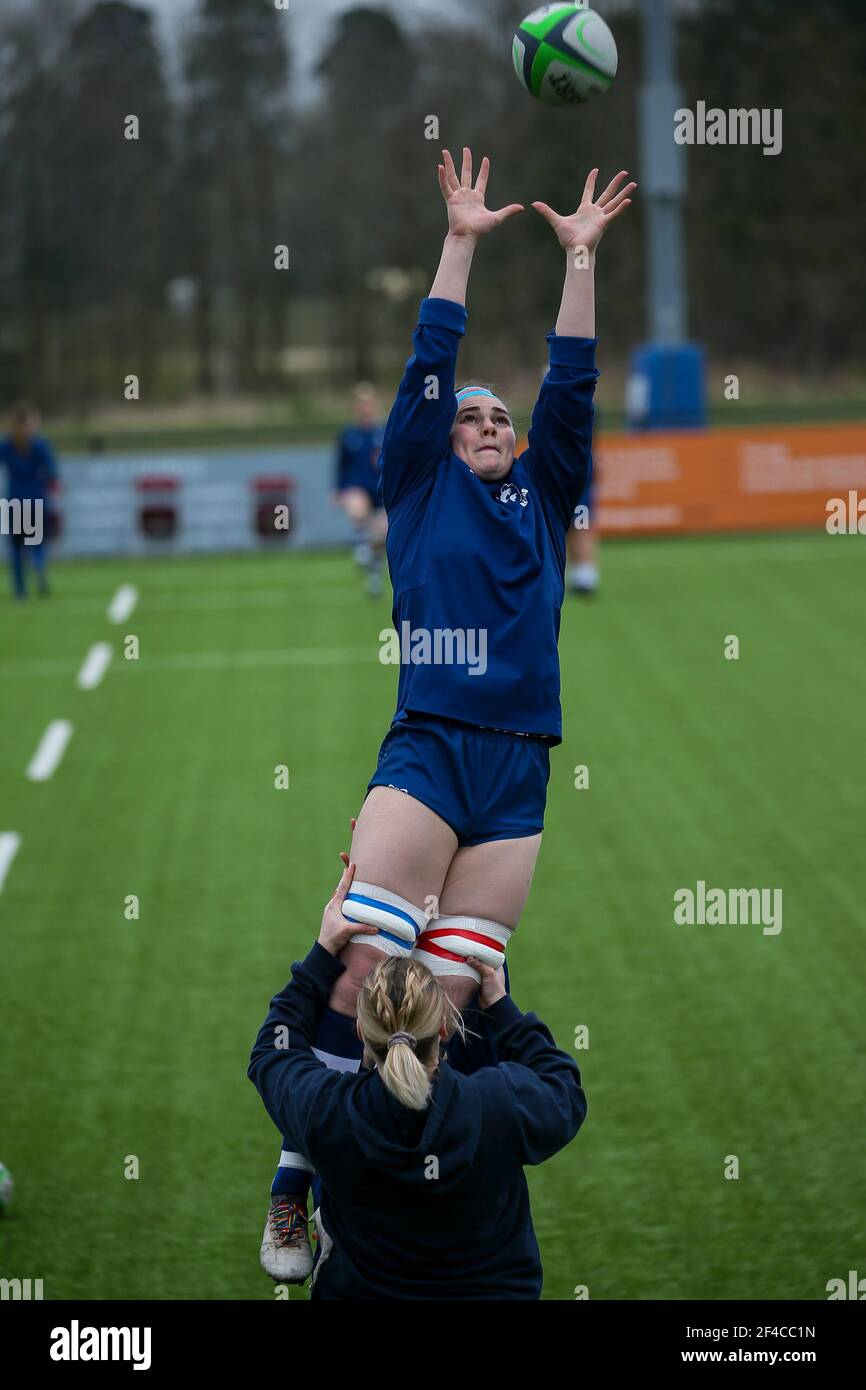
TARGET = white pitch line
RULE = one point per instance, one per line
(194, 661)
(181, 601)
(9, 846)
(123, 603)
(51, 749)
(59, 666)
(282, 597)
(215, 661)
(94, 667)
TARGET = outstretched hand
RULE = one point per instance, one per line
(335, 931)
(467, 215)
(587, 226)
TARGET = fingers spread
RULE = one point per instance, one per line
(612, 216)
(589, 186)
(546, 212)
(614, 184)
(466, 174)
(450, 172)
(621, 197)
(483, 172)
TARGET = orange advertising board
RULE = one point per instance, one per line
(763, 478)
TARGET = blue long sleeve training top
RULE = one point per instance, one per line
(474, 557)
(402, 1225)
(28, 475)
(357, 463)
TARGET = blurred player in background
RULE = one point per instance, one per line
(583, 573)
(30, 471)
(358, 485)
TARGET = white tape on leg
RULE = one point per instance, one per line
(398, 920)
(446, 942)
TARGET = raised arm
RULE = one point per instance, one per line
(579, 236)
(285, 1071)
(560, 439)
(537, 1085)
(468, 221)
(295, 1086)
(419, 426)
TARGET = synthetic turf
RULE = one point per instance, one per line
(131, 1037)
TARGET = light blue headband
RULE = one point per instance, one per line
(474, 391)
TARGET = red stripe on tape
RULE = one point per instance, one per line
(463, 931)
(437, 950)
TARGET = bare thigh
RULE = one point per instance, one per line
(490, 881)
(401, 845)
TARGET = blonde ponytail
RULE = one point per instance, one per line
(401, 996)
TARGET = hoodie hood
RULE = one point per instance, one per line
(402, 1142)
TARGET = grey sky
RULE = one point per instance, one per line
(310, 22)
(310, 19)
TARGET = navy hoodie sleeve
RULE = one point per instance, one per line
(419, 427)
(560, 437)
(543, 1083)
(285, 1071)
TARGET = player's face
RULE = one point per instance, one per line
(365, 409)
(483, 436)
(23, 428)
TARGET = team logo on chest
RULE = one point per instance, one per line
(509, 493)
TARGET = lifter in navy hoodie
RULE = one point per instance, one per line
(418, 1204)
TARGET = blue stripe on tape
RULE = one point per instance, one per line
(386, 907)
(397, 940)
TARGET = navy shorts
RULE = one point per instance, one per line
(485, 784)
(363, 480)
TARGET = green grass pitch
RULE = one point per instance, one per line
(128, 1037)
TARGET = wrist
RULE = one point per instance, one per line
(463, 241)
(488, 1004)
(580, 255)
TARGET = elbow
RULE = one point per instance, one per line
(572, 1113)
(570, 1120)
(567, 1114)
(256, 1057)
(579, 1108)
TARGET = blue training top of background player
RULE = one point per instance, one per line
(29, 474)
(483, 558)
(358, 460)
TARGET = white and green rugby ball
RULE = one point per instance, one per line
(564, 54)
(7, 1188)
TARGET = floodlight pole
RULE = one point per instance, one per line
(663, 176)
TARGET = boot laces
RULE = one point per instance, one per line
(288, 1219)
